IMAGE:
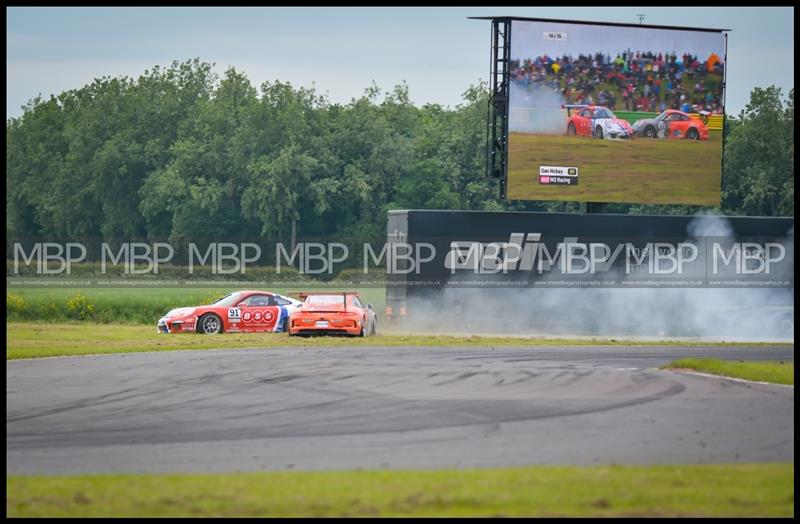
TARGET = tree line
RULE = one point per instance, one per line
(182, 153)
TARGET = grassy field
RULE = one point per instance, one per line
(639, 170)
(131, 305)
(775, 372)
(45, 339)
(662, 491)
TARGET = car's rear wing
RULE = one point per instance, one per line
(302, 295)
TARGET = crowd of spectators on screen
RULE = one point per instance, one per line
(641, 81)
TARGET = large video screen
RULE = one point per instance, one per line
(603, 113)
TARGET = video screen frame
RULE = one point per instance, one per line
(504, 65)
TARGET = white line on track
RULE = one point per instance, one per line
(723, 377)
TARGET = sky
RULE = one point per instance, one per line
(340, 51)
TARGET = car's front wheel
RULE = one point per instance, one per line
(210, 324)
(650, 132)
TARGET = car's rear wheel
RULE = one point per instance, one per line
(650, 132)
(571, 131)
(692, 134)
(374, 329)
(598, 132)
(210, 324)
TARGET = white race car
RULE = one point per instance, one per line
(240, 311)
(596, 121)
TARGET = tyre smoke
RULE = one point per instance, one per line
(536, 109)
(719, 314)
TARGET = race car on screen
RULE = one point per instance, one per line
(671, 124)
(596, 121)
(242, 311)
(333, 313)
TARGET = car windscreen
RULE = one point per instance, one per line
(228, 300)
(281, 301)
(603, 113)
(324, 299)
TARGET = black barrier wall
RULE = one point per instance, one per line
(519, 284)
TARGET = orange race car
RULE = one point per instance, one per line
(333, 313)
(671, 124)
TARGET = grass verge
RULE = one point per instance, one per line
(687, 490)
(774, 372)
(132, 306)
(638, 170)
(40, 339)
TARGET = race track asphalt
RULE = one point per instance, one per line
(372, 407)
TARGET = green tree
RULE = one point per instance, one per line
(759, 157)
(282, 191)
(179, 152)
